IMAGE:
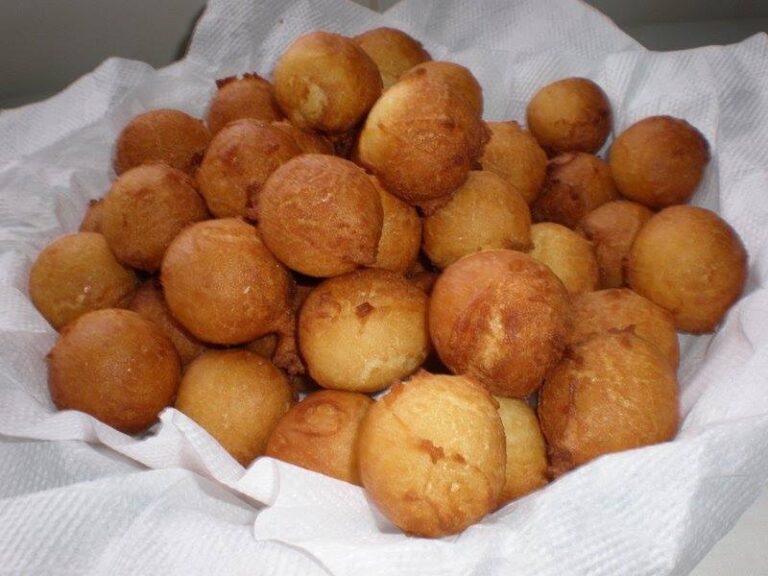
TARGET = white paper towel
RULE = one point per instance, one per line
(75, 508)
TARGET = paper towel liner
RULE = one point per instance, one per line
(656, 510)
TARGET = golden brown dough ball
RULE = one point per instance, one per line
(659, 161)
(570, 115)
(362, 331)
(92, 219)
(247, 97)
(501, 317)
(320, 433)
(308, 142)
(321, 215)
(238, 162)
(145, 209)
(324, 81)
(115, 366)
(526, 450)
(168, 136)
(611, 392)
(514, 154)
(459, 78)
(400, 240)
(576, 184)
(689, 261)
(222, 284)
(567, 254)
(485, 212)
(78, 273)
(393, 51)
(612, 228)
(238, 397)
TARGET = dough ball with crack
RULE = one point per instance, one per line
(567, 254)
(393, 51)
(248, 97)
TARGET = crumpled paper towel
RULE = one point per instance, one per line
(87, 503)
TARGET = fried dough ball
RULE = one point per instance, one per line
(238, 397)
(92, 219)
(321, 215)
(308, 142)
(611, 392)
(612, 228)
(485, 212)
(320, 433)
(324, 81)
(78, 273)
(567, 254)
(526, 450)
(145, 209)
(115, 366)
(459, 78)
(238, 162)
(168, 136)
(149, 302)
(247, 97)
(393, 51)
(501, 317)
(659, 161)
(400, 240)
(622, 309)
(570, 115)
(222, 284)
(690, 262)
(514, 154)
(431, 454)
(362, 331)
(576, 184)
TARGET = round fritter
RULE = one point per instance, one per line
(567, 254)
(393, 51)
(459, 78)
(400, 240)
(247, 97)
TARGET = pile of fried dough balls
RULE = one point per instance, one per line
(354, 228)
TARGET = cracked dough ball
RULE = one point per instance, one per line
(247, 97)
(567, 254)
(393, 51)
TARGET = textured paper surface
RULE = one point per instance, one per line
(175, 503)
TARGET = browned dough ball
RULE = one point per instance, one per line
(78, 273)
(690, 262)
(308, 142)
(432, 454)
(659, 161)
(321, 215)
(238, 162)
(320, 433)
(247, 97)
(168, 136)
(400, 240)
(501, 317)
(611, 392)
(92, 219)
(115, 366)
(393, 51)
(238, 397)
(514, 154)
(570, 115)
(459, 78)
(145, 209)
(567, 254)
(612, 228)
(362, 331)
(485, 212)
(324, 81)
(576, 184)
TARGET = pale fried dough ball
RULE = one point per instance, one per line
(612, 228)
(501, 317)
(78, 273)
(690, 262)
(622, 309)
(115, 366)
(238, 162)
(459, 78)
(324, 81)
(400, 234)
(247, 97)
(485, 212)
(570, 115)
(576, 184)
(514, 154)
(168, 136)
(145, 209)
(393, 51)
(611, 392)
(321, 215)
(431, 454)
(659, 161)
(567, 254)
(320, 433)
(92, 219)
(362, 331)
(238, 397)
(308, 142)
